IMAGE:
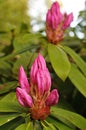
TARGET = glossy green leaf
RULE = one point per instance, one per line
(8, 117)
(21, 127)
(4, 65)
(6, 106)
(23, 60)
(20, 51)
(11, 125)
(9, 97)
(78, 79)
(79, 61)
(7, 87)
(47, 126)
(5, 68)
(58, 124)
(29, 126)
(59, 61)
(26, 40)
(72, 117)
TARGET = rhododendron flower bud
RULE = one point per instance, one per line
(54, 16)
(56, 23)
(24, 98)
(39, 74)
(36, 95)
(52, 98)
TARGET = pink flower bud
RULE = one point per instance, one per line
(23, 98)
(54, 16)
(68, 20)
(52, 98)
(39, 74)
(56, 23)
(36, 96)
(23, 81)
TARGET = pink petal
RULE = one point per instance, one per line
(68, 20)
(55, 7)
(23, 81)
(43, 80)
(23, 98)
(33, 72)
(48, 80)
(54, 16)
(52, 98)
(48, 17)
(39, 63)
(40, 81)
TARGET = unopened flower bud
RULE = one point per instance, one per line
(56, 23)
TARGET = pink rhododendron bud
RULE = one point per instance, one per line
(39, 74)
(23, 98)
(52, 98)
(56, 23)
(39, 63)
(54, 16)
(37, 95)
(68, 20)
(23, 81)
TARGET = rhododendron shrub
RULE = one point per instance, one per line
(42, 79)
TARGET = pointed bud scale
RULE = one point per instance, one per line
(23, 98)
(52, 98)
(23, 81)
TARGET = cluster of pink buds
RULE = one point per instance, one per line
(36, 94)
(57, 23)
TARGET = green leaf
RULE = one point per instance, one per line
(26, 59)
(21, 127)
(9, 97)
(47, 126)
(58, 124)
(78, 79)
(59, 61)
(4, 118)
(79, 61)
(29, 126)
(72, 117)
(7, 87)
(11, 125)
(20, 51)
(5, 68)
(6, 106)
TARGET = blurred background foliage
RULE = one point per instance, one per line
(20, 43)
